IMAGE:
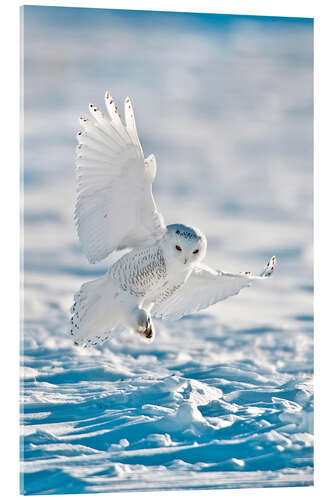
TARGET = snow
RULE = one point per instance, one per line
(221, 399)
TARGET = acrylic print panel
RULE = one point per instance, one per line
(221, 398)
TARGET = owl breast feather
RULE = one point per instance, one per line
(141, 271)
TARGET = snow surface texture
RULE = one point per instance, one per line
(220, 399)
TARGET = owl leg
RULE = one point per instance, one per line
(136, 317)
(145, 326)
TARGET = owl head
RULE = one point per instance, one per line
(185, 244)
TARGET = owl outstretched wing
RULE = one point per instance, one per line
(206, 287)
(115, 208)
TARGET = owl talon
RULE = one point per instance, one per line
(149, 332)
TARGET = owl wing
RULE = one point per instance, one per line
(205, 287)
(115, 208)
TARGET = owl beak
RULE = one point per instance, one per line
(185, 261)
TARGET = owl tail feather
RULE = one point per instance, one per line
(92, 320)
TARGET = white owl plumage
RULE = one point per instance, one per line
(162, 274)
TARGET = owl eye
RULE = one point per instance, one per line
(178, 248)
(196, 251)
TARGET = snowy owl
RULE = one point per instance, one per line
(162, 274)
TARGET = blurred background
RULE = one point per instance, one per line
(226, 105)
